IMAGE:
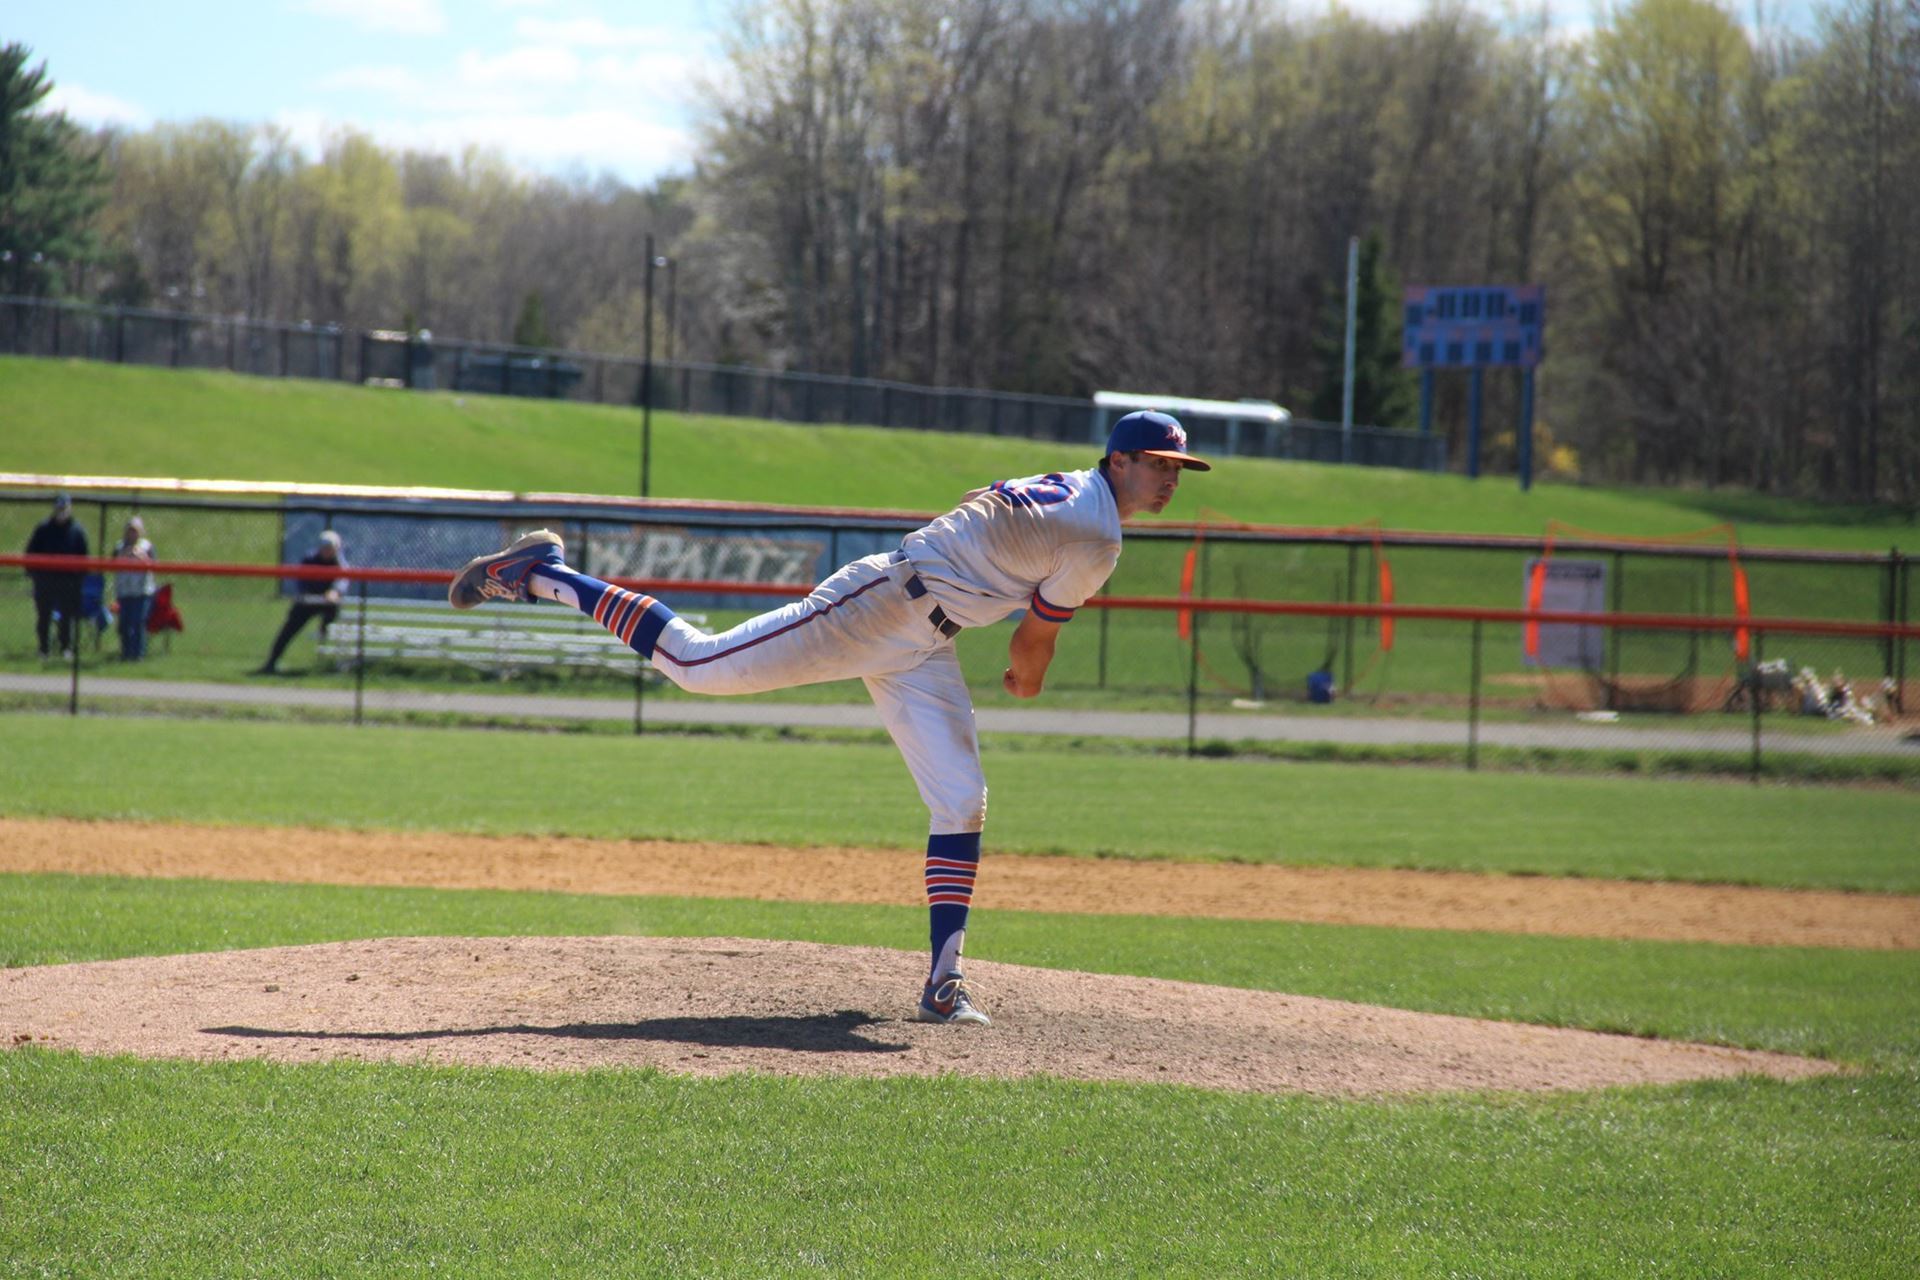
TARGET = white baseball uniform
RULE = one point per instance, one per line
(1044, 543)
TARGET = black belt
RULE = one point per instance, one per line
(937, 616)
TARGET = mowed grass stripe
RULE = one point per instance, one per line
(808, 792)
(1573, 907)
(1856, 1006)
(131, 1168)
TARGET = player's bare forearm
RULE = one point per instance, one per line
(1029, 654)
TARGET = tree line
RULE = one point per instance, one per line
(1157, 195)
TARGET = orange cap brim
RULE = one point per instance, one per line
(1192, 463)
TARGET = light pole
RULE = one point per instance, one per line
(646, 378)
(1346, 384)
(673, 304)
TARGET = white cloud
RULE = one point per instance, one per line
(387, 81)
(620, 141)
(594, 32)
(84, 106)
(667, 72)
(519, 68)
(403, 17)
(630, 146)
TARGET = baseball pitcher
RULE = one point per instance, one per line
(1039, 545)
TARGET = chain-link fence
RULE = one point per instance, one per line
(1339, 668)
(130, 335)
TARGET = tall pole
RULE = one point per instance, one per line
(646, 383)
(1476, 398)
(1526, 428)
(673, 304)
(1353, 309)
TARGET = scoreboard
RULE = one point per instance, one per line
(1473, 327)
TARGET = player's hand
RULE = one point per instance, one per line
(1019, 688)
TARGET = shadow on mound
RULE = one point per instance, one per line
(719, 1006)
(803, 1033)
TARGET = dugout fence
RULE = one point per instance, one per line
(1137, 665)
(1114, 658)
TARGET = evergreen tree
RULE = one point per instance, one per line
(52, 182)
(1383, 392)
(530, 330)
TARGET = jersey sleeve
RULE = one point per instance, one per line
(1083, 568)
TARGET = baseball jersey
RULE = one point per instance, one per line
(1043, 543)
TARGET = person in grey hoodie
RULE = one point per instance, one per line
(133, 590)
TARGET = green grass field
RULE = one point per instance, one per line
(89, 418)
(1243, 810)
(122, 1167)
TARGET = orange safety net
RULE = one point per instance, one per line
(1561, 531)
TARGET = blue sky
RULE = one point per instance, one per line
(567, 87)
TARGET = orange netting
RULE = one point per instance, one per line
(1381, 574)
(1685, 691)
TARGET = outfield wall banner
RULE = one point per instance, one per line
(1569, 586)
(770, 555)
(677, 554)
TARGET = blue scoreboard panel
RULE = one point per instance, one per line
(1474, 327)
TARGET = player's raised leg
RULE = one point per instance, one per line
(859, 621)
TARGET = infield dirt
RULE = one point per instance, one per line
(711, 1006)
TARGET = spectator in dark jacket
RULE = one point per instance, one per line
(57, 592)
(316, 598)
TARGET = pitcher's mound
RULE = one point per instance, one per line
(710, 1006)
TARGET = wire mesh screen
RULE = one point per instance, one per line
(392, 649)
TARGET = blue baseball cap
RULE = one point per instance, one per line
(1159, 434)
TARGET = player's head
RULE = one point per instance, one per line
(62, 507)
(1146, 452)
(330, 545)
(1157, 434)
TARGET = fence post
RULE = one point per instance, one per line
(74, 624)
(1193, 684)
(1346, 656)
(1900, 650)
(1106, 616)
(1892, 611)
(1614, 634)
(1473, 705)
(360, 656)
(1755, 687)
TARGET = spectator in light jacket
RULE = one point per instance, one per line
(133, 590)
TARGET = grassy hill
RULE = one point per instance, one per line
(76, 417)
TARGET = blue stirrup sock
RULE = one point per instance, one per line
(637, 619)
(951, 863)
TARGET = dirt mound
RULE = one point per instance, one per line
(715, 1006)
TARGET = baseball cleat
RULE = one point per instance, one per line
(503, 575)
(949, 1001)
